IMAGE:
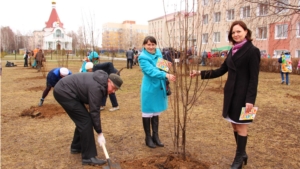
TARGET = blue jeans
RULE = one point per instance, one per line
(286, 76)
(113, 100)
(203, 61)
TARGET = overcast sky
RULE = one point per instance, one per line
(29, 15)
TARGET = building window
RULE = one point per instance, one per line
(58, 33)
(297, 54)
(245, 12)
(217, 16)
(204, 38)
(204, 2)
(298, 29)
(281, 6)
(261, 33)
(230, 14)
(216, 37)
(278, 53)
(262, 9)
(205, 19)
(281, 31)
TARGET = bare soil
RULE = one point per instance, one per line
(40, 137)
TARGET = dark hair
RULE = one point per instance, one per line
(244, 26)
(149, 38)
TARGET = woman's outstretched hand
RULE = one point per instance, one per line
(194, 73)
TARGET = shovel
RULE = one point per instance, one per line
(110, 164)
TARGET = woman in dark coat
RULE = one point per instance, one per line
(242, 65)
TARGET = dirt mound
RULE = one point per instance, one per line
(293, 96)
(36, 89)
(45, 111)
(30, 78)
(170, 161)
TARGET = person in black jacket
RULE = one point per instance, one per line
(72, 92)
(26, 59)
(130, 57)
(242, 65)
(109, 68)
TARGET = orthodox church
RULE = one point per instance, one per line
(53, 35)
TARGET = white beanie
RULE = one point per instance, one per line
(64, 71)
(89, 65)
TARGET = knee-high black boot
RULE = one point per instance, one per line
(155, 138)
(245, 156)
(148, 139)
(238, 159)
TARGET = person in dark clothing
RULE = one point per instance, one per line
(134, 50)
(129, 56)
(26, 59)
(109, 68)
(203, 58)
(52, 78)
(169, 53)
(191, 54)
(39, 59)
(136, 56)
(72, 93)
(242, 65)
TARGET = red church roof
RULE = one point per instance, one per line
(53, 18)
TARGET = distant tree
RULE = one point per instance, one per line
(75, 40)
(7, 39)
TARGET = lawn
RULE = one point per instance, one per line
(44, 141)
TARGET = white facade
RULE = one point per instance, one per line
(56, 39)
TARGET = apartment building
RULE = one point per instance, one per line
(275, 25)
(169, 30)
(121, 36)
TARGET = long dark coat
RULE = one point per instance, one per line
(242, 80)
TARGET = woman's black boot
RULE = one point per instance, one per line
(245, 156)
(148, 139)
(155, 138)
(239, 159)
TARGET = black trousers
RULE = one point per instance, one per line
(25, 63)
(129, 63)
(83, 135)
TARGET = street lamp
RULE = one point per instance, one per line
(16, 45)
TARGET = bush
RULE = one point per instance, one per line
(266, 64)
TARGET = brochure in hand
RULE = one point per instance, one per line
(248, 116)
(162, 64)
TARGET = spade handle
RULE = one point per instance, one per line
(105, 151)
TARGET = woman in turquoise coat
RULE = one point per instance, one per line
(154, 98)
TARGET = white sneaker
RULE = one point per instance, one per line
(102, 108)
(114, 108)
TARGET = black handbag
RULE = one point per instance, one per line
(168, 88)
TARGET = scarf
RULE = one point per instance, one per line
(237, 46)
